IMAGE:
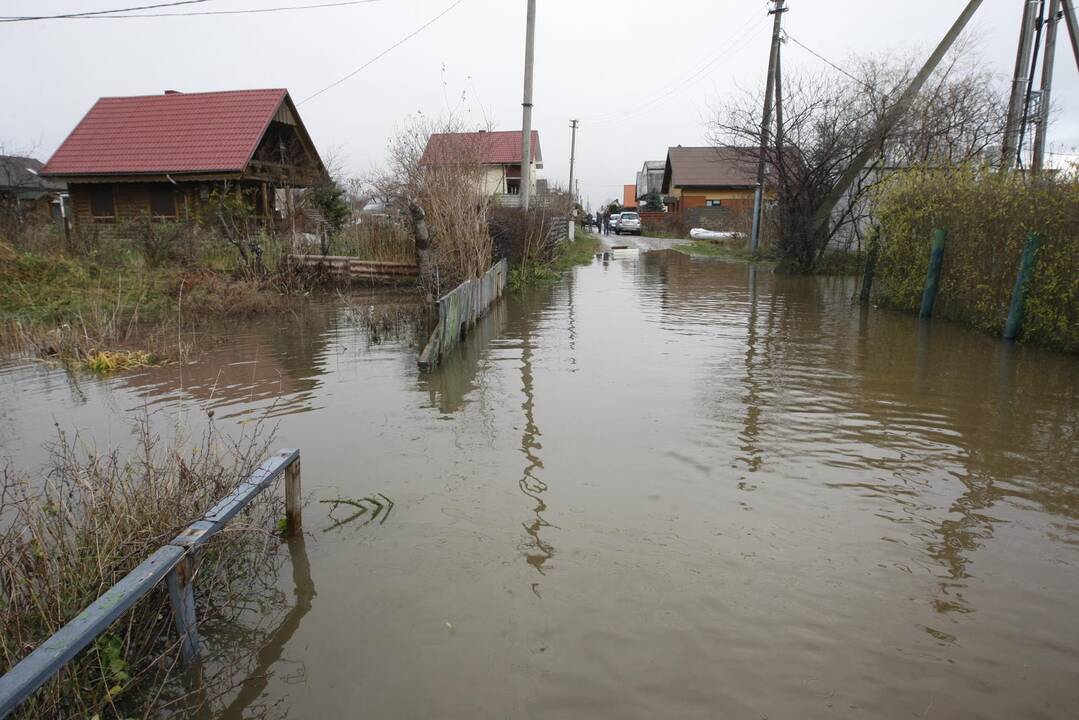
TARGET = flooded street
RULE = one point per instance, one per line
(662, 488)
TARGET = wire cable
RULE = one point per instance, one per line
(249, 11)
(811, 51)
(385, 52)
(93, 13)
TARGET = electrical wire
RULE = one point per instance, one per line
(811, 51)
(738, 38)
(385, 52)
(249, 11)
(93, 13)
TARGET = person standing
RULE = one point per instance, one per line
(607, 222)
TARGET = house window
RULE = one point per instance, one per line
(713, 203)
(513, 187)
(102, 205)
(162, 201)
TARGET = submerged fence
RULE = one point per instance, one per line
(343, 267)
(459, 309)
(175, 563)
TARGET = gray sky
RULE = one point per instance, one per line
(639, 75)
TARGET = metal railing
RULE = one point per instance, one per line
(175, 563)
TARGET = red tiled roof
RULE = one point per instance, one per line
(170, 133)
(485, 148)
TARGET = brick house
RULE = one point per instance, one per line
(696, 177)
(163, 155)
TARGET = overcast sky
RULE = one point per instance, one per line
(639, 75)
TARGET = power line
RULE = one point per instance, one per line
(811, 51)
(231, 12)
(385, 52)
(91, 13)
(648, 105)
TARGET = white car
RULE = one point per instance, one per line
(628, 222)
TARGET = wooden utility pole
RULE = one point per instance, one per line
(766, 124)
(572, 153)
(1041, 129)
(526, 105)
(1019, 86)
(824, 212)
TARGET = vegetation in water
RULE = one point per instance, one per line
(581, 251)
(74, 531)
(988, 216)
(723, 251)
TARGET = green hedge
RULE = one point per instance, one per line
(988, 216)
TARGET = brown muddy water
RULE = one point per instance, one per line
(663, 488)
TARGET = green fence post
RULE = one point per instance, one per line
(870, 263)
(1022, 282)
(932, 278)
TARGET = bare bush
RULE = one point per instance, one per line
(451, 188)
(66, 538)
(828, 119)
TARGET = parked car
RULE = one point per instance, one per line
(628, 222)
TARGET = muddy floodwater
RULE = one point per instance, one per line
(662, 488)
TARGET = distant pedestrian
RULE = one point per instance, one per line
(606, 223)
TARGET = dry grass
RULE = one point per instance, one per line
(69, 536)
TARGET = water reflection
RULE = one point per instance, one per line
(272, 648)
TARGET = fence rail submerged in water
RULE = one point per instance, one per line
(173, 563)
(460, 308)
(345, 267)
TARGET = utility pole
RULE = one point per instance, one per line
(1019, 86)
(526, 105)
(572, 152)
(779, 103)
(766, 123)
(1073, 27)
(857, 165)
(1041, 130)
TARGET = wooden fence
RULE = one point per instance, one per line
(459, 309)
(345, 268)
(175, 563)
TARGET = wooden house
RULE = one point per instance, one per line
(163, 157)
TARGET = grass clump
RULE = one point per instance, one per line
(72, 533)
(581, 251)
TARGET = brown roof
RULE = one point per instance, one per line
(733, 167)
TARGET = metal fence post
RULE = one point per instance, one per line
(932, 278)
(181, 585)
(293, 516)
(1022, 283)
(870, 264)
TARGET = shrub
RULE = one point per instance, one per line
(988, 216)
(69, 536)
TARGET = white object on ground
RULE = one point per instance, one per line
(702, 234)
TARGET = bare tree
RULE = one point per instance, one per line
(830, 118)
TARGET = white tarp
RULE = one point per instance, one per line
(702, 234)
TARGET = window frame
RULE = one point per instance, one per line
(158, 192)
(713, 203)
(94, 196)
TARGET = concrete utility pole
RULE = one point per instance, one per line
(824, 212)
(1041, 130)
(1073, 27)
(526, 122)
(1019, 86)
(572, 152)
(766, 124)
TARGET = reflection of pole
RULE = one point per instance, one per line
(526, 105)
(274, 646)
(766, 124)
(751, 432)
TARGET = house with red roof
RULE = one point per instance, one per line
(162, 156)
(494, 156)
